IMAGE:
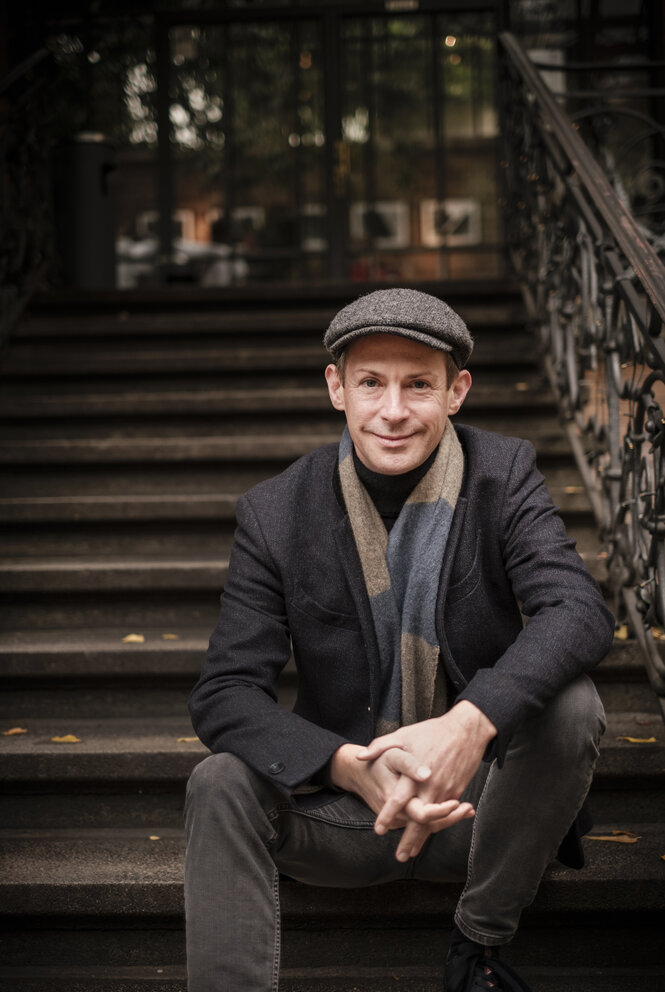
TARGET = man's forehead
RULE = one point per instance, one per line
(392, 349)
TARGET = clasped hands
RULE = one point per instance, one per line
(414, 777)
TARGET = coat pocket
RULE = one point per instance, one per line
(304, 603)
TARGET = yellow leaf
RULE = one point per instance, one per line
(170, 637)
(638, 740)
(573, 490)
(617, 837)
(154, 837)
(67, 739)
(657, 634)
(13, 732)
(621, 633)
(662, 857)
(133, 639)
(521, 387)
(186, 740)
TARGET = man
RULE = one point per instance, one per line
(434, 730)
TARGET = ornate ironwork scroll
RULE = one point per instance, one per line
(595, 290)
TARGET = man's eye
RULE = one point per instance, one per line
(420, 384)
(370, 382)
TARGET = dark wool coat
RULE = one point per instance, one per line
(295, 582)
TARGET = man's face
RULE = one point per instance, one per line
(396, 400)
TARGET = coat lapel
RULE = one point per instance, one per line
(352, 569)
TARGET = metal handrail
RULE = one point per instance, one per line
(619, 220)
(22, 69)
(595, 290)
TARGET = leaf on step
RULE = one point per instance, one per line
(186, 740)
(574, 490)
(154, 837)
(14, 732)
(638, 740)
(133, 639)
(170, 637)
(621, 633)
(662, 857)
(617, 837)
(521, 387)
(67, 739)
(657, 634)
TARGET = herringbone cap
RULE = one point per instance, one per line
(401, 311)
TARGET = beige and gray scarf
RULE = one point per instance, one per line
(401, 572)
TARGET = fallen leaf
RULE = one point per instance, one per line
(67, 739)
(154, 837)
(186, 740)
(14, 731)
(574, 490)
(170, 637)
(617, 837)
(621, 633)
(521, 387)
(133, 639)
(657, 634)
(638, 740)
(662, 857)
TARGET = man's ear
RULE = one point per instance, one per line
(458, 391)
(335, 387)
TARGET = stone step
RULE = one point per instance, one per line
(135, 873)
(513, 349)
(85, 573)
(122, 573)
(154, 508)
(229, 321)
(172, 978)
(134, 610)
(102, 653)
(171, 402)
(155, 749)
(200, 484)
(165, 696)
(276, 447)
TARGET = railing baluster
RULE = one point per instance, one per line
(595, 289)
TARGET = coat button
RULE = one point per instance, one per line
(276, 767)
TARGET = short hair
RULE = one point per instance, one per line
(452, 370)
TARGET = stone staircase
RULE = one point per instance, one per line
(129, 425)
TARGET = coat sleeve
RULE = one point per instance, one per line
(234, 704)
(568, 628)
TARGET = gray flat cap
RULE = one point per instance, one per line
(401, 311)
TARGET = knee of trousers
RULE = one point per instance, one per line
(571, 724)
(225, 779)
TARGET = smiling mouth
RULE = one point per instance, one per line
(393, 438)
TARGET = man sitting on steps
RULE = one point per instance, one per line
(434, 730)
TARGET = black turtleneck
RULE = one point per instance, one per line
(390, 492)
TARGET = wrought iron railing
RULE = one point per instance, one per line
(26, 194)
(595, 291)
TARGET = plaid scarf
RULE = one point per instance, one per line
(401, 572)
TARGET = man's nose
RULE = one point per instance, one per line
(394, 405)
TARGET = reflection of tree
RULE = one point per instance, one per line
(106, 81)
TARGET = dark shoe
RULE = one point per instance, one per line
(470, 967)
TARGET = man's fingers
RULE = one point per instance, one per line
(394, 805)
(377, 747)
(464, 812)
(411, 842)
(428, 813)
(405, 763)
